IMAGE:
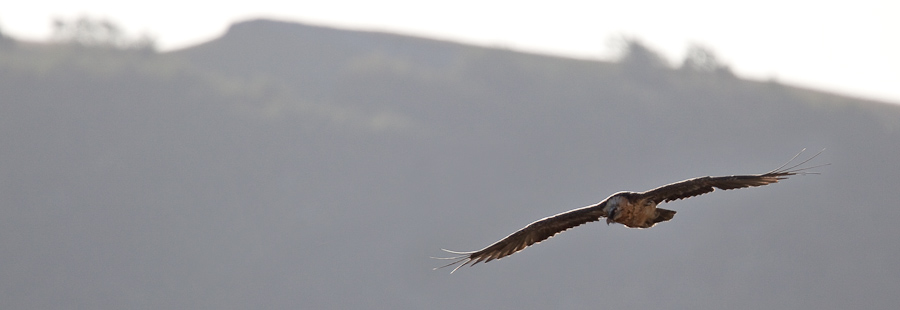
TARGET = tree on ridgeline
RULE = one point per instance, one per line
(701, 59)
(634, 53)
(91, 32)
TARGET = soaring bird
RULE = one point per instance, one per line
(632, 209)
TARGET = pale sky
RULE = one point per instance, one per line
(846, 47)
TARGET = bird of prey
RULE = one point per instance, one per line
(632, 209)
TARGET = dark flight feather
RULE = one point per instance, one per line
(535, 232)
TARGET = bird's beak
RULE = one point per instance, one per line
(612, 214)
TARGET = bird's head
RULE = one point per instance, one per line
(612, 207)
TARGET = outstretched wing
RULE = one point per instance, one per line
(702, 185)
(535, 232)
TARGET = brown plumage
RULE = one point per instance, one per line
(632, 209)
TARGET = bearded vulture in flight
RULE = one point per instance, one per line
(634, 210)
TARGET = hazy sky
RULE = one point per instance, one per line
(847, 47)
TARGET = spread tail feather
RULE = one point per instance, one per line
(663, 215)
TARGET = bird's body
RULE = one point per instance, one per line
(635, 210)
(632, 209)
